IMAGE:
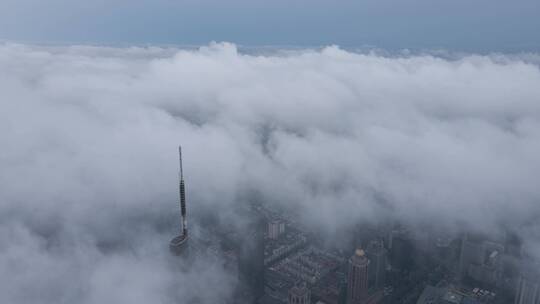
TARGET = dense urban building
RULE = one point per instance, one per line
(299, 294)
(377, 254)
(357, 282)
(275, 229)
(402, 249)
(528, 291)
(444, 295)
(397, 265)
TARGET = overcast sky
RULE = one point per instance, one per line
(469, 25)
(89, 134)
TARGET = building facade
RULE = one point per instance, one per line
(275, 229)
(299, 294)
(357, 281)
(377, 254)
(528, 291)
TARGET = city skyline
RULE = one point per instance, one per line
(360, 152)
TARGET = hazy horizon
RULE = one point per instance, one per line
(349, 118)
(470, 26)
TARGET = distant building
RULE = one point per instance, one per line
(445, 251)
(377, 255)
(332, 289)
(278, 249)
(251, 259)
(528, 291)
(401, 248)
(443, 295)
(277, 286)
(481, 260)
(308, 265)
(299, 294)
(357, 282)
(275, 229)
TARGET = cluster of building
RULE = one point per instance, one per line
(281, 246)
(399, 265)
(309, 265)
(298, 270)
(279, 263)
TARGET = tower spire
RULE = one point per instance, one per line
(182, 195)
(180, 158)
(179, 244)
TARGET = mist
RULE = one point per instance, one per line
(89, 136)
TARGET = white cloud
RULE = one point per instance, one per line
(88, 141)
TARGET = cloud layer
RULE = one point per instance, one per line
(88, 158)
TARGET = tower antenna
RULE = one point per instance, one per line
(179, 244)
(180, 158)
(182, 195)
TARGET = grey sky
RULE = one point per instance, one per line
(469, 25)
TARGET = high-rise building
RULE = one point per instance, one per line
(472, 252)
(528, 291)
(357, 282)
(445, 295)
(481, 259)
(275, 229)
(179, 244)
(402, 250)
(377, 254)
(299, 294)
(251, 260)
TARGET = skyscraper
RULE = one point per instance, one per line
(377, 254)
(528, 291)
(357, 282)
(179, 244)
(275, 229)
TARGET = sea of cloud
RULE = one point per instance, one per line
(88, 163)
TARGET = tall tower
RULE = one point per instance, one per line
(179, 244)
(357, 282)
